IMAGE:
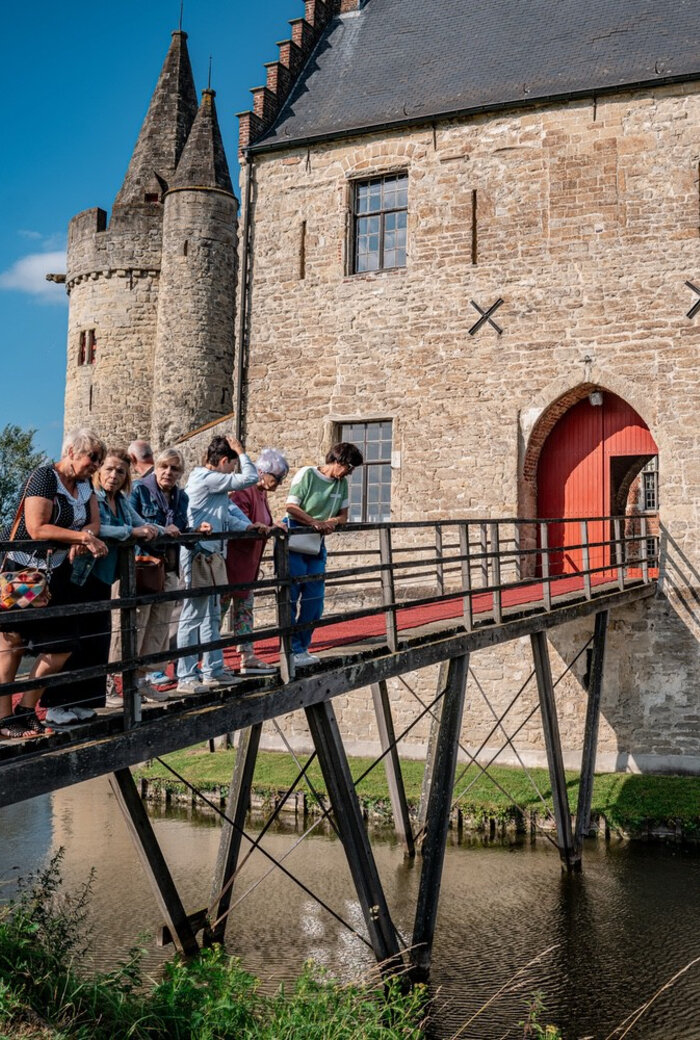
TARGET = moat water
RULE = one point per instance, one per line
(614, 934)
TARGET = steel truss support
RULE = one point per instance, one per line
(443, 767)
(552, 740)
(348, 817)
(590, 737)
(392, 765)
(179, 926)
(231, 834)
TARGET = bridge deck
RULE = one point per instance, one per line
(354, 654)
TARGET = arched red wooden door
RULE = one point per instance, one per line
(585, 460)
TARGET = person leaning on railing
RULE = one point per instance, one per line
(203, 564)
(158, 499)
(243, 556)
(60, 506)
(120, 521)
(318, 499)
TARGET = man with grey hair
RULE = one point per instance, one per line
(141, 455)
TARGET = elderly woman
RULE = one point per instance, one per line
(243, 557)
(58, 505)
(158, 499)
(118, 520)
(318, 499)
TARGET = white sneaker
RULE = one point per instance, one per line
(61, 717)
(186, 687)
(223, 678)
(114, 700)
(83, 714)
(305, 658)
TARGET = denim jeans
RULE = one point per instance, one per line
(199, 623)
(308, 597)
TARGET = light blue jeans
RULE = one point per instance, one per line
(199, 623)
(308, 597)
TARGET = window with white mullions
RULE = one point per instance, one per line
(380, 219)
(370, 484)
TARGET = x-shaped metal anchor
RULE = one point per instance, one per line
(486, 316)
(696, 306)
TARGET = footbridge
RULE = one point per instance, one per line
(400, 597)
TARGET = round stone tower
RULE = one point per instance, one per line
(113, 271)
(193, 367)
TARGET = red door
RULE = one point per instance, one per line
(577, 469)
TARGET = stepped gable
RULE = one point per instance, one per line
(396, 62)
(165, 129)
(283, 73)
(203, 162)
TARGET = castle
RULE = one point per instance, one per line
(152, 293)
(470, 243)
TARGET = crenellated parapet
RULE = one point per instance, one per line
(131, 242)
(283, 73)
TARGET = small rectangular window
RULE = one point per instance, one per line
(91, 347)
(650, 487)
(370, 484)
(380, 220)
(82, 340)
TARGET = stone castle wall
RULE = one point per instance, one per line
(195, 342)
(583, 217)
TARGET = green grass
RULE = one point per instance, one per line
(629, 801)
(46, 992)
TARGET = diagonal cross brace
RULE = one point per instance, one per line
(696, 306)
(486, 317)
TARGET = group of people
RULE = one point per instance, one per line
(95, 493)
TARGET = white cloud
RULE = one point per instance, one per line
(26, 233)
(28, 274)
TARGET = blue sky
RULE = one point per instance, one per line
(77, 79)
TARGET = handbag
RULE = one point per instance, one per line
(208, 569)
(308, 543)
(28, 586)
(150, 574)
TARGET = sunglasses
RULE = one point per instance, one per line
(94, 456)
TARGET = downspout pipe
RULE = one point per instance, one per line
(243, 298)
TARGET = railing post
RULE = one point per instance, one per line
(586, 558)
(544, 554)
(284, 607)
(517, 547)
(496, 573)
(463, 531)
(645, 551)
(439, 569)
(484, 545)
(388, 591)
(619, 555)
(127, 590)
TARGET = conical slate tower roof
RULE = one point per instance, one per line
(168, 121)
(203, 162)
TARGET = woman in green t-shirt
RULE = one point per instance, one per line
(318, 499)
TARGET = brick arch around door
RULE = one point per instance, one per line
(586, 467)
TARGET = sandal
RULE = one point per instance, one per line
(20, 727)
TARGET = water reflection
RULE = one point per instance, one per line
(619, 930)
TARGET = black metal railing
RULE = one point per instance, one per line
(480, 568)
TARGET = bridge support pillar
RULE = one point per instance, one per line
(552, 741)
(397, 793)
(178, 924)
(348, 817)
(230, 843)
(428, 772)
(590, 736)
(438, 806)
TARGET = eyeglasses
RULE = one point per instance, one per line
(348, 469)
(94, 456)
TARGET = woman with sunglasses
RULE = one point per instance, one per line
(60, 506)
(318, 500)
(243, 557)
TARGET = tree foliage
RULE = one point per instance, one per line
(18, 457)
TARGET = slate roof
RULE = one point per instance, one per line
(203, 161)
(404, 61)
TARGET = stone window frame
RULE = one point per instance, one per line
(354, 178)
(333, 433)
